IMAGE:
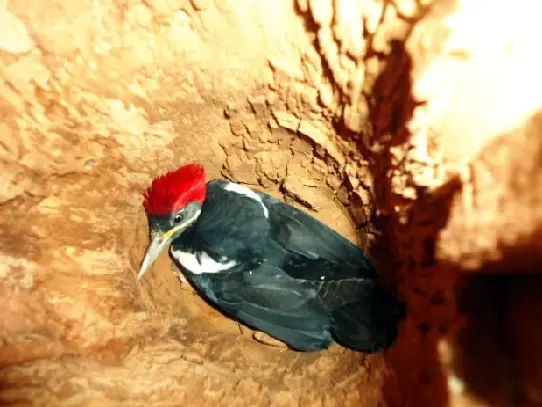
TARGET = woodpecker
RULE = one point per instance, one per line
(267, 264)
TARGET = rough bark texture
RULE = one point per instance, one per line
(402, 124)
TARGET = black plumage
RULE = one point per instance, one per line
(293, 278)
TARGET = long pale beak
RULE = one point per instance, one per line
(158, 243)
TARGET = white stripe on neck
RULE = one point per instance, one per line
(204, 265)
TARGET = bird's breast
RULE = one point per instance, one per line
(201, 262)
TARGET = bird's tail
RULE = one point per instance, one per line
(370, 324)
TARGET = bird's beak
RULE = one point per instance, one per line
(159, 242)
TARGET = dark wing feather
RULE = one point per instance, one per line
(298, 232)
(270, 300)
(268, 288)
(335, 294)
(267, 291)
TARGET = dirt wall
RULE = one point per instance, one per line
(403, 125)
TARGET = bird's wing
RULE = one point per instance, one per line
(267, 294)
(300, 233)
(269, 290)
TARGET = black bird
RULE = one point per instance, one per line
(269, 265)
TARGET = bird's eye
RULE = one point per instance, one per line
(178, 218)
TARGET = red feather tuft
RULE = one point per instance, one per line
(173, 190)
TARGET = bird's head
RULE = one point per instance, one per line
(173, 203)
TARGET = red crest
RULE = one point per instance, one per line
(172, 191)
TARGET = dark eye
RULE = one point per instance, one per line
(178, 218)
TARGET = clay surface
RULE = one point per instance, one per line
(400, 124)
